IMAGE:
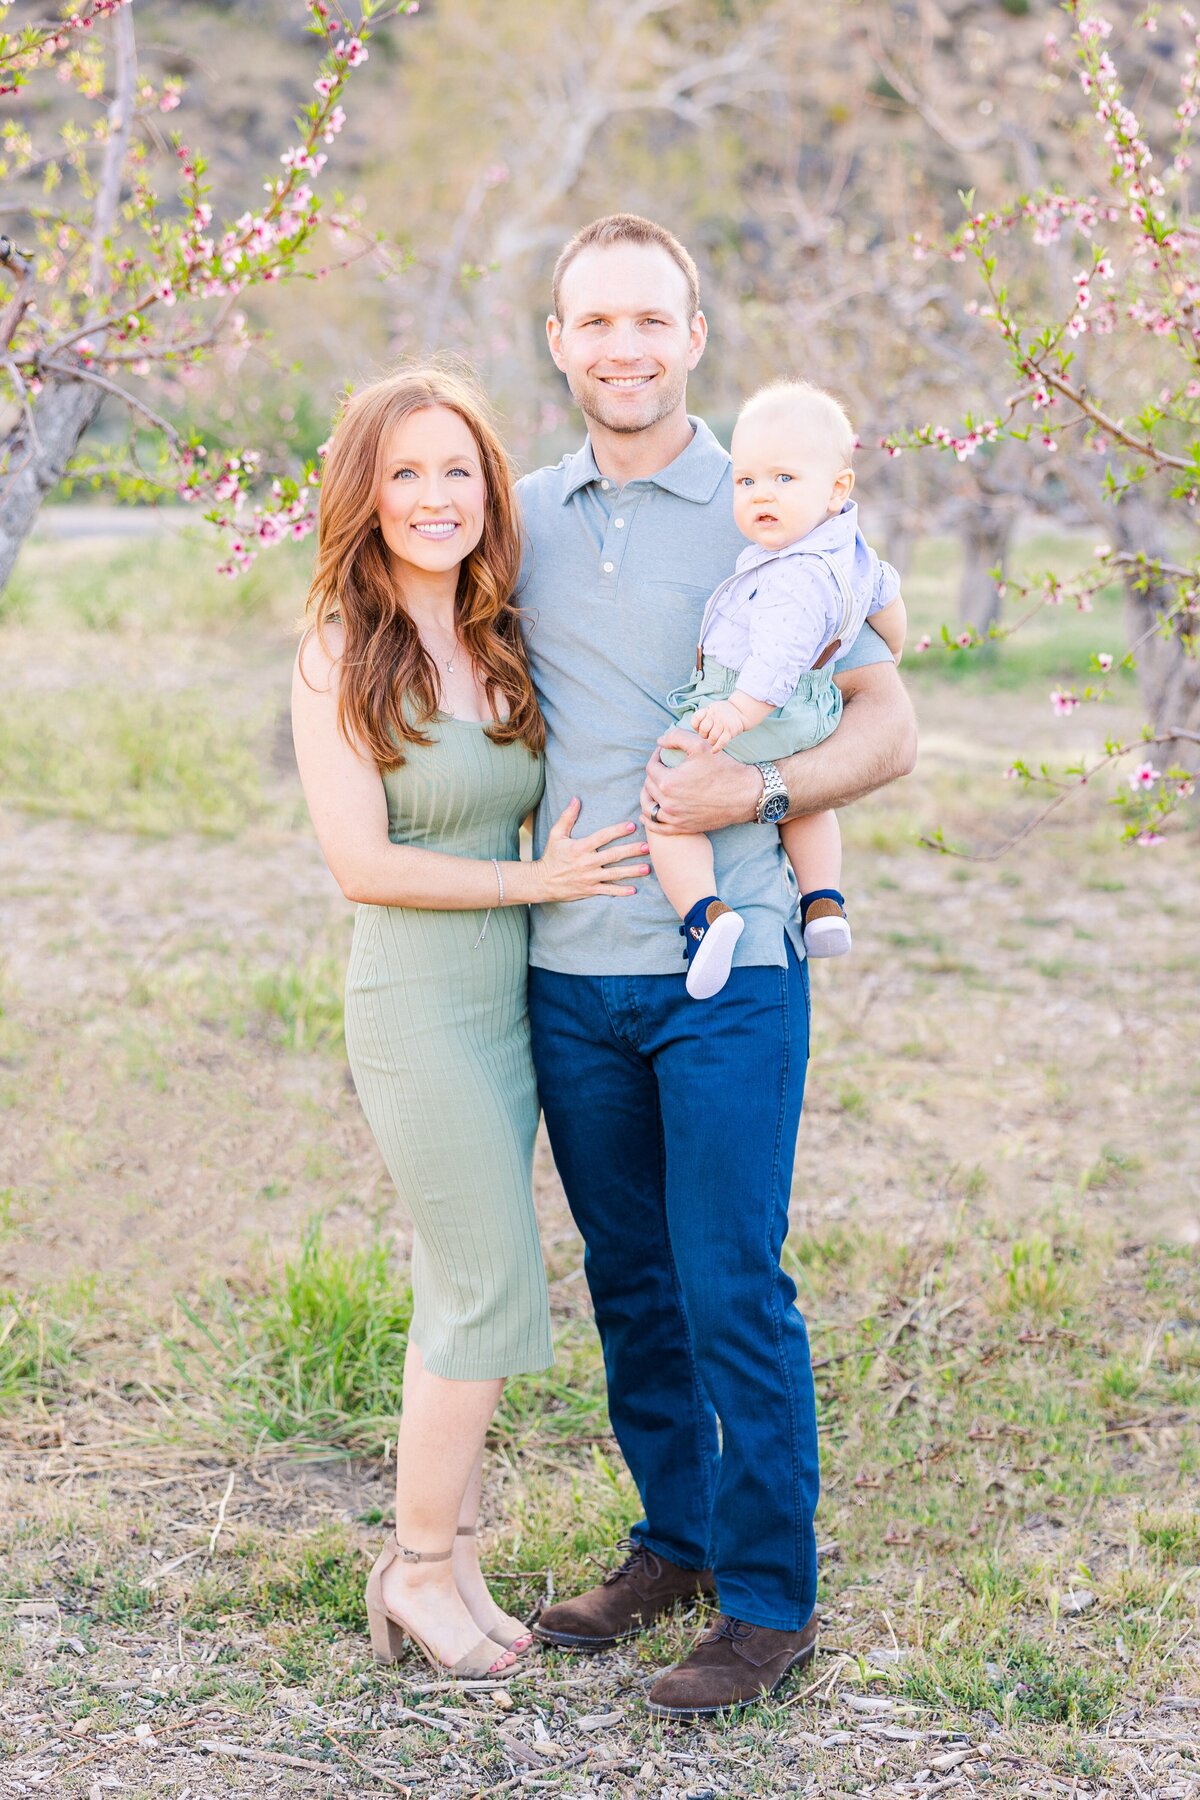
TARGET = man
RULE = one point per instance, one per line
(673, 1123)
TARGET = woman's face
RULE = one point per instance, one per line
(432, 497)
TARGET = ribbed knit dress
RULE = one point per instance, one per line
(437, 1034)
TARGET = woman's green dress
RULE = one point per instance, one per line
(437, 1034)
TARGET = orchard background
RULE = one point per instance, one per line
(203, 1274)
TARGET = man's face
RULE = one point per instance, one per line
(625, 342)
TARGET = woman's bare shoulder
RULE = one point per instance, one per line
(319, 654)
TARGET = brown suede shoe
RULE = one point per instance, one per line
(733, 1665)
(628, 1599)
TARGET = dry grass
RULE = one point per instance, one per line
(994, 1237)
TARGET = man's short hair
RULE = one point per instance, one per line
(628, 228)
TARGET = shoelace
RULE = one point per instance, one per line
(736, 1630)
(639, 1558)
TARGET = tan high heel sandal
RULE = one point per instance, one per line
(504, 1634)
(388, 1632)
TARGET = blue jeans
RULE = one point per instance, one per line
(673, 1123)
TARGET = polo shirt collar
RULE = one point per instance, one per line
(695, 474)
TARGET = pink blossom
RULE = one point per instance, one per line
(1104, 661)
(325, 85)
(922, 644)
(1144, 776)
(166, 293)
(1185, 789)
(1063, 702)
(1147, 839)
(169, 101)
(964, 639)
(353, 51)
(1050, 47)
(1012, 773)
(334, 123)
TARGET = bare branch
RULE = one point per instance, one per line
(1068, 791)
(120, 124)
(1144, 446)
(79, 372)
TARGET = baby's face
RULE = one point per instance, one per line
(785, 481)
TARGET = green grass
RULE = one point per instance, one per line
(36, 1351)
(1019, 1681)
(304, 1001)
(314, 1354)
(1055, 646)
(163, 583)
(1035, 1278)
(129, 762)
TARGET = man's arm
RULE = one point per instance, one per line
(875, 742)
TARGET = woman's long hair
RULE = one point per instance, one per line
(389, 690)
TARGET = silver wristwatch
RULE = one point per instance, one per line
(773, 801)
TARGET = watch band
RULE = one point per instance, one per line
(774, 788)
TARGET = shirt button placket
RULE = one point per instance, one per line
(608, 566)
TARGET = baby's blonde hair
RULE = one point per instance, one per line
(807, 408)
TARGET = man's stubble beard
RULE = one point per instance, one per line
(669, 398)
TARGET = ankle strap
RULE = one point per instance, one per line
(465, 1531)
(420, 1556)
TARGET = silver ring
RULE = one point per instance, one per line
(654, 811)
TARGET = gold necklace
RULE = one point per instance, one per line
(449, 666)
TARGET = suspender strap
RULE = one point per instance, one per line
(849, 624)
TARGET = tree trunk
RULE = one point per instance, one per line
(1169, 675)
(34, 462)
(986, 532)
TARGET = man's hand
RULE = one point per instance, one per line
(875, 742)
(718, 723)
(705, 793)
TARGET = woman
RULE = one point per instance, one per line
(419, 743)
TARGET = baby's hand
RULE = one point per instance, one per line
(718, 723)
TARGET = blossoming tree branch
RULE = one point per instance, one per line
(1118, 369)
(108, 288)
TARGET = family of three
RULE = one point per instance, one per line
(662, 654)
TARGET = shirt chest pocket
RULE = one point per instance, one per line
(656, 628)
(670, 596)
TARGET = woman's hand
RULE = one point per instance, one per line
(581, 868)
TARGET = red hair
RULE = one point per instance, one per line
(388, 689)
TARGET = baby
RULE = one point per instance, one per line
(763, 683)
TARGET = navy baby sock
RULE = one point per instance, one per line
(695, 924)
(806, 900)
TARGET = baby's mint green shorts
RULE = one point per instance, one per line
(804, 721)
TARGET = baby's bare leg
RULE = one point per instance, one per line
(684, 867)
(814, 848)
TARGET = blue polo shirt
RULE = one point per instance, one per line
(612, 593)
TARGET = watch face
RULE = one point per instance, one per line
(774, 809)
